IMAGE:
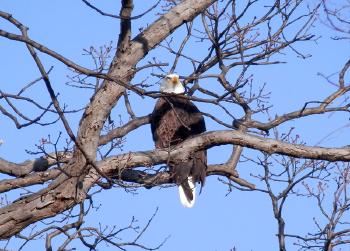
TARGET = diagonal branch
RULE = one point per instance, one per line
(125, 129)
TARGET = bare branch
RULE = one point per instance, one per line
(121, 16)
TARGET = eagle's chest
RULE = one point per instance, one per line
(172, 129)
(175, 120)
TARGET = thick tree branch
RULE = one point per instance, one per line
(216, 138)
(29, 180)
(150, 180)
(39, 164)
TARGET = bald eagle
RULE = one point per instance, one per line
(175, 119)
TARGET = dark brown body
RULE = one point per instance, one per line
(175, 119)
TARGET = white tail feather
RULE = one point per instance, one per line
(184, 201)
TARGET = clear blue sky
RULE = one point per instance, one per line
(218, 221)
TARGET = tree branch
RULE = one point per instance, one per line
(125, 129)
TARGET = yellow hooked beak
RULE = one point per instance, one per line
(175, 80)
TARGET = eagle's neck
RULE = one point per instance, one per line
(171, 88)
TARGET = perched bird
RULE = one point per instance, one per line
(175, 119)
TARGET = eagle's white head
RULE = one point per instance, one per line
(172, 84)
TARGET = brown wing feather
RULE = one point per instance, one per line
(174, 120)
